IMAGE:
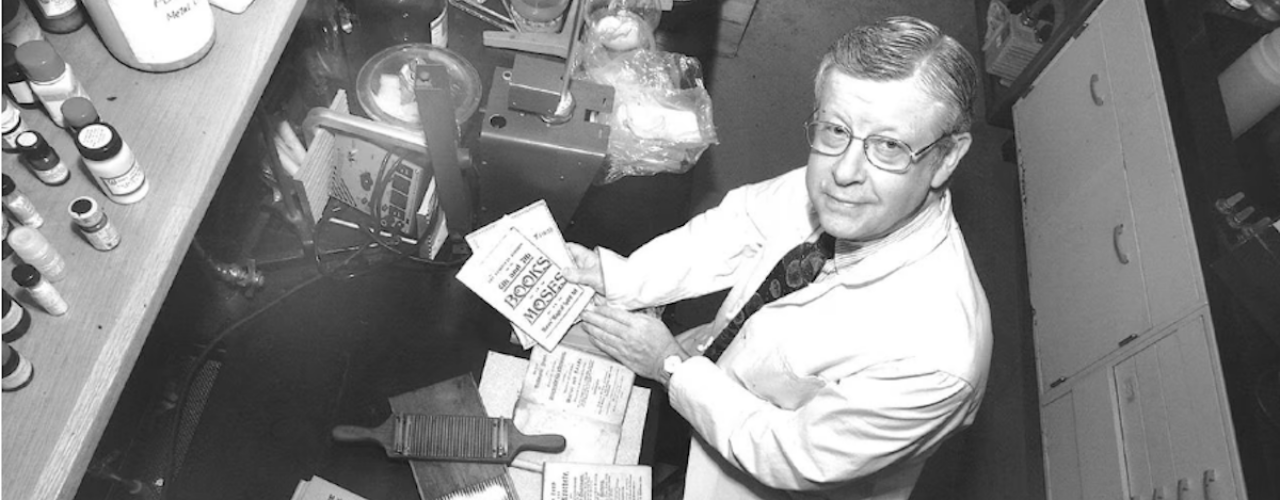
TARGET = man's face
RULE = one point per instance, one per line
(854, 199)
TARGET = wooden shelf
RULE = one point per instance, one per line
(183, 127)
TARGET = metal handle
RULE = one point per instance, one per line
(1121, 254)
(1210, 477)
(1158, 494)
(1093, 90)
(1183, 487)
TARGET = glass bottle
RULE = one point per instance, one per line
(12, 124)
(79, 112)
(94, 224)
(39, 289)
(15, 80)
(19, 205)
(154, 36)
(57, 16)
(112, 163)
(51, 78)
(16, 320)
(36, 250)
(42, 159)
(17, 371)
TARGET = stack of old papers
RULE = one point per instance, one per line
(516, 268)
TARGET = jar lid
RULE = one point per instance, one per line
(78, 111)
(32, 143)
(98, 142)
(26, 275)
(9, 186)
(84, 209)
(40, 61)
(27, 241)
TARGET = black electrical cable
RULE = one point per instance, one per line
(199, 362)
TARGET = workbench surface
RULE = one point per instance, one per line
(183, 127)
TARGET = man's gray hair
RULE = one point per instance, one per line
(898, 48)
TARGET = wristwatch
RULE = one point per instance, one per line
(670, 364)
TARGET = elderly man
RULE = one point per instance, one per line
(856, 336)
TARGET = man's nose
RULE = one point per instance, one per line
(851, 167)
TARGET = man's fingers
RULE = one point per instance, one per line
(603, 317)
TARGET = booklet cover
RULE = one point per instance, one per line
(527, 287)
(535, 221)
(570, 481)
(578, 395)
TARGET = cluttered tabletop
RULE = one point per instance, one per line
(519, 154)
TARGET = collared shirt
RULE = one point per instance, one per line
(841, 389)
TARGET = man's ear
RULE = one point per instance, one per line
(959, 147)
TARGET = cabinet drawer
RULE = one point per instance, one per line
(1109, 247)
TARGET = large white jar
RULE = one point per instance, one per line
(154, 35)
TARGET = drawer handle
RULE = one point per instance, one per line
(1121, 254)
(1158, 494)
(1210, 477)
(1093, 90)
(1183, 487)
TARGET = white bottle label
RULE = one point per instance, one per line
(20, 375)
(55, 175)
(54, 93)
(164, 31)
(124, 184)
(103, 239)
(13, 317)
(22, 93)
(55, 8)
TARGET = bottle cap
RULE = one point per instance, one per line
(31, 142)
(85, 210)
(12, 73)
(40, 61)
(98, 142)
(26, 275)
(9, 186)
(28, 242)
(79, 112)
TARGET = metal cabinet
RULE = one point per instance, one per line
(1109, 248)
(1133, 405)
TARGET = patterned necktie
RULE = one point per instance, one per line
(798, 268)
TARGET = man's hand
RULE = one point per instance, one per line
(639, 341)
(586, 268)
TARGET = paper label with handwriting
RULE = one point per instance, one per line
(527, 287)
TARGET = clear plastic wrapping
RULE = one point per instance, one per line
(661, 119)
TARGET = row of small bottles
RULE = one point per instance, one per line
(52, 83)
(37, 265)
(156, 36)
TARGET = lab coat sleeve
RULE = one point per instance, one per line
(849, 430)
(703, 255)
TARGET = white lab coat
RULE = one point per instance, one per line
(841, 389)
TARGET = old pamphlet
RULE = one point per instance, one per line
(578, 395)
(527, 287)
(536, 222)
(570, 481)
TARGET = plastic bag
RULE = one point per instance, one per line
(661, 119)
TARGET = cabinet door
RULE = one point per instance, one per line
(1082, 443)
(1174, 418)
(1086, 287)
(1162, 239)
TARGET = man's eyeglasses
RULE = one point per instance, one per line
(887, 154)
